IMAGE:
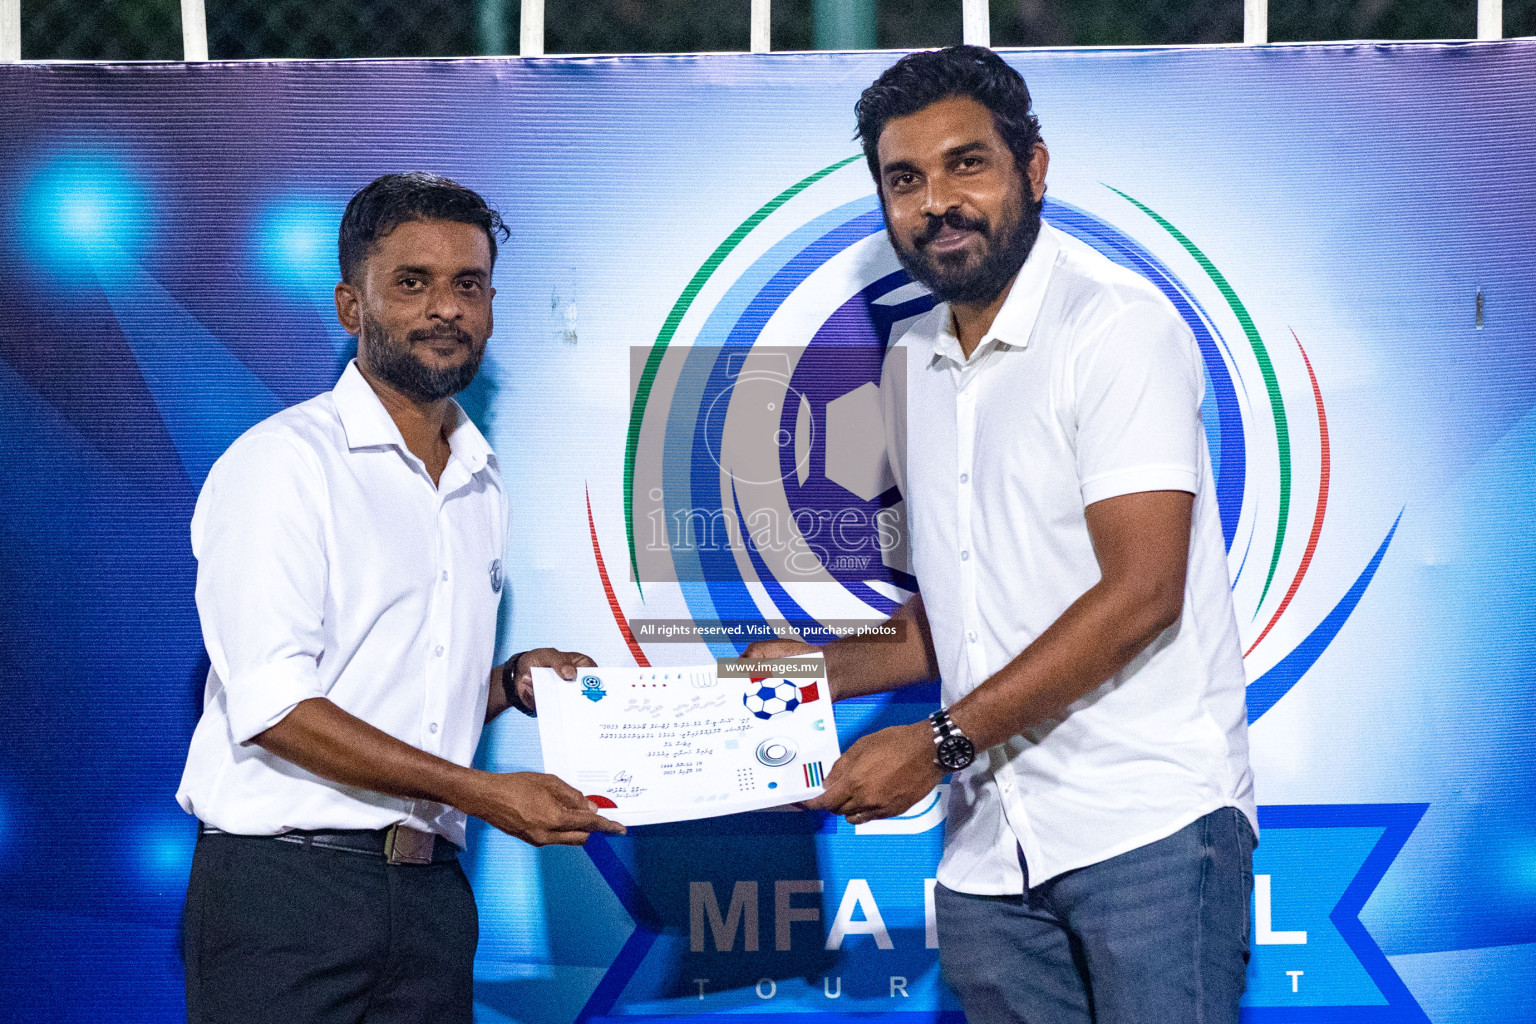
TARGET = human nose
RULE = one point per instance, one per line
(444, 302)
(939, 197)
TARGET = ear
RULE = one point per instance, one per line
(1039, 160)
(348, 308)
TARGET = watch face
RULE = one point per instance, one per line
(955, 752)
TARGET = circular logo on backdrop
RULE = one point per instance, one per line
(756, 474)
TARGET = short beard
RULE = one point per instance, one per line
(392, 361)
(965, 279)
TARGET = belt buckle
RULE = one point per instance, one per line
(404, 845)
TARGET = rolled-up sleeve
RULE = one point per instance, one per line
(1139, 385)
(259, 537)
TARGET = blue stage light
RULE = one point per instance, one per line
(1523, 875)
(295, 244)
(165, 853)
(86, 213)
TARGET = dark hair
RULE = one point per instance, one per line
(387, 202)
(921, 79)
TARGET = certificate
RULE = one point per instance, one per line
(649, 745)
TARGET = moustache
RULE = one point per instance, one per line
(447, 333)
(949, 219)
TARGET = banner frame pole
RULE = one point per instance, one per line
(491, 27)
(10, 31)
(1256, 22)
(1490, 19)
(530, 29)
(194, 30)
(762, 26)
(976, 22)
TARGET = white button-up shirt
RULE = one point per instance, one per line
(329, 565)
(1087, 386)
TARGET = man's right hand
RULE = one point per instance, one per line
(536, 808)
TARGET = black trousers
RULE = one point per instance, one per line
(280, 933)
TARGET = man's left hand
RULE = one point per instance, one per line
(567, 663)
(882, 775)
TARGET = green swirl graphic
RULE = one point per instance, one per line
(1266, 368)
(669, 328)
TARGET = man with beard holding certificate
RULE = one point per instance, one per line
(348, 581)
(1075, 598)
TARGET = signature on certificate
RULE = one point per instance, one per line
(624, 787)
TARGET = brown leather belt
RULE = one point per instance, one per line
(397, 844)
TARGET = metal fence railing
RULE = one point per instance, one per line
(239, 29)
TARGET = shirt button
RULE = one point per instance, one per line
(439, 651)
(971, 636)
(965, 556)
(965, 478)
(432, 727)
(445, 575)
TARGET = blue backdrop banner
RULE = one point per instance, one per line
(683, 388)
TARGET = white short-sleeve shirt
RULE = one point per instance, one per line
(1088, 386)
(329, 565)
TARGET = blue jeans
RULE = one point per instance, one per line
(1158, 935)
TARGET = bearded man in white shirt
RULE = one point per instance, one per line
(349, 578)
(1044, 425)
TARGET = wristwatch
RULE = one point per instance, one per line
(509, 685)
(952, 749)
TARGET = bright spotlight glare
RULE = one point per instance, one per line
(165, 853)
(295, 244)
(85, 212)
(82, 218)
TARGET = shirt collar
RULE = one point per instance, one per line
(1015, 321)
(368, 424)
(468, 445)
